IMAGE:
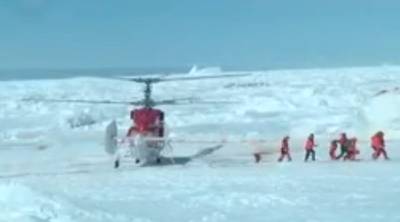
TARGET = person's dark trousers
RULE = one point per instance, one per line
(308, 153)
(343, 152)
(283, 154)
(379, 152)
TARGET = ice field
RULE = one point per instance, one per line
(53, 166)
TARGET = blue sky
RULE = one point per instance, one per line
(247, 34)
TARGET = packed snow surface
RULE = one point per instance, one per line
(53, 166)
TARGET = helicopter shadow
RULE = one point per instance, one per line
(183, 160)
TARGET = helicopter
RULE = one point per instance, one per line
(146, 138)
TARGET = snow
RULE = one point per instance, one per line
(50, 171)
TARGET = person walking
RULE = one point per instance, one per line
(285, 151)
(309, 147)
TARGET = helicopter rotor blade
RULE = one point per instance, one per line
(190, 102)
(82, 101)
(184, 78)
(187, 78)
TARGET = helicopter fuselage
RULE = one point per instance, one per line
(147, 121)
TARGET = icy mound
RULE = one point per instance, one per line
(383, 112)
(204, 71)
(20, 203)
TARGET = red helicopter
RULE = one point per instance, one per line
(145, 139)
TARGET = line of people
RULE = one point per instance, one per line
(348, 148)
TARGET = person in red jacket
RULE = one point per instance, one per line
(309, 147)
(332, 149)
(285, 152)
(344, 145)
(378, 145)
(352, 151)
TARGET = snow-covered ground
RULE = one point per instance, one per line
(53, 166)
